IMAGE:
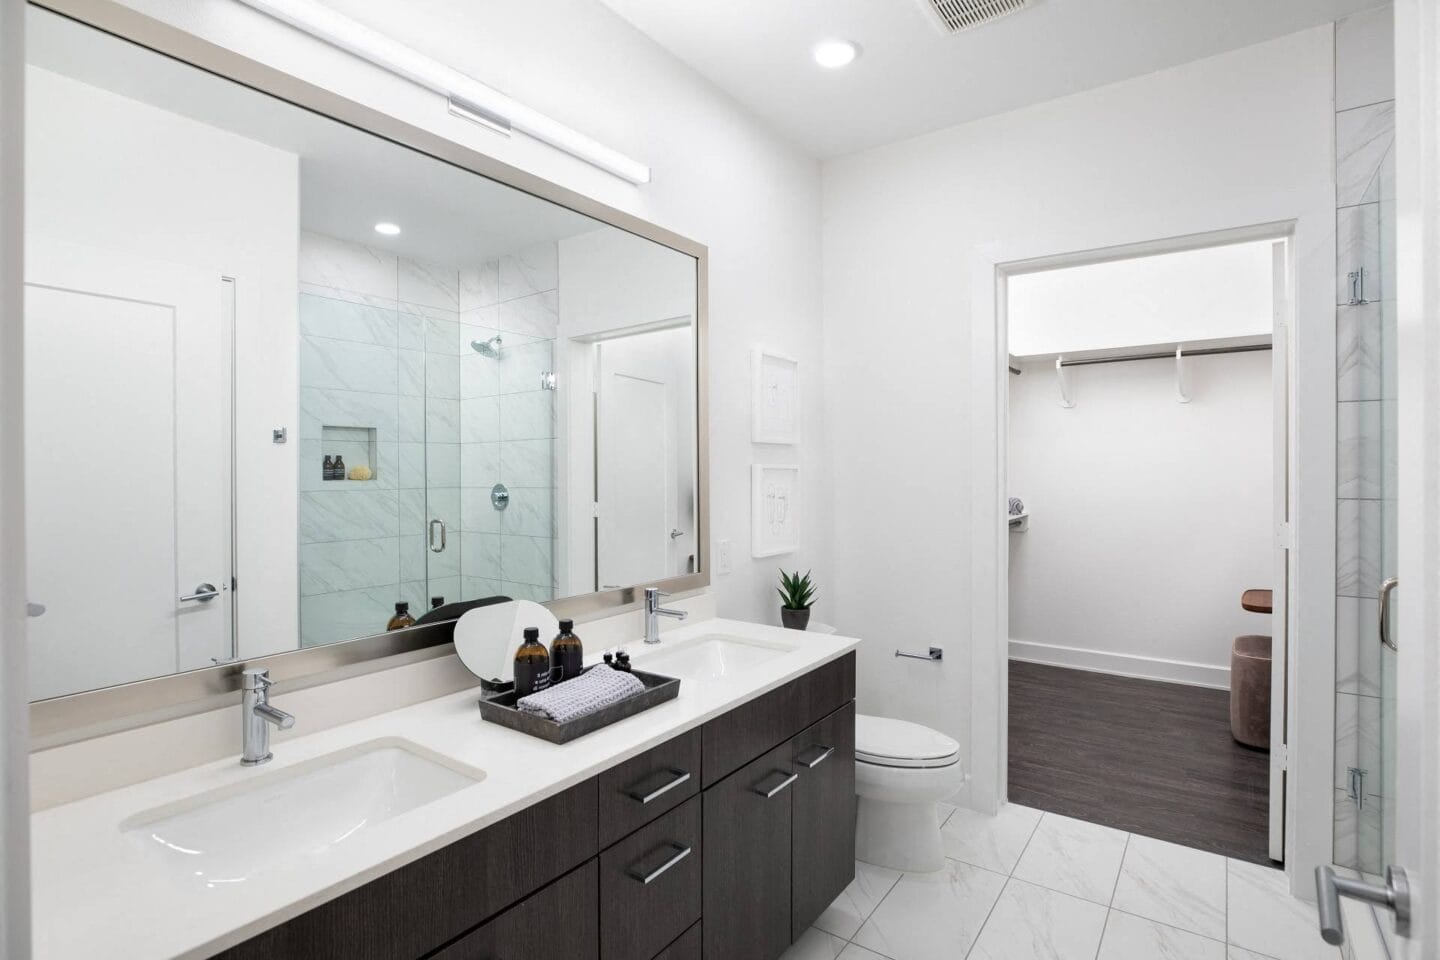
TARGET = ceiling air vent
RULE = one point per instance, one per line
(953, 16)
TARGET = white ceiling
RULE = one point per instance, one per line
(349, 180)
(910, 79)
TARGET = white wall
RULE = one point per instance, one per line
(719, 177)
(1241, 138)
(1149, 517)
(231, 207)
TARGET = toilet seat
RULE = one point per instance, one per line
(887, 742)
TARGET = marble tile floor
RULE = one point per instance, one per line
(1027, 885)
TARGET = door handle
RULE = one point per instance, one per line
(647, 878)
(1393, 895)
(786, 780)
(1385, 589)
(34, 609)
(204, 593)
(433, 525)
(819, 756)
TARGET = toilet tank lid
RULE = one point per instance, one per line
(901, 743)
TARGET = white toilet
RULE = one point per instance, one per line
(902, 770)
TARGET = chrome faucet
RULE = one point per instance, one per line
(653, 613)
(257, 716)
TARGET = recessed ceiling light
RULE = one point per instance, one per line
(387, 228)
(833, 54)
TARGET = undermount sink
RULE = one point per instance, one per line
(236, 833)
(711, 657)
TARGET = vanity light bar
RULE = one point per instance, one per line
(497, 110)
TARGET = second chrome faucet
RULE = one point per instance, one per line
(653, 613)
(257, 716)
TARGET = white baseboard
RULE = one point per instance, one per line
(1122, 664)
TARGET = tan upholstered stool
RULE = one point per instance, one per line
(1250, 691)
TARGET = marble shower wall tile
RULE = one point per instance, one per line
(480, 554)
(1357, 548)
(347, 365)
(527, 416)
(480, 285)
(522, 365)
(527, 560)
(529, 271)
(480, 420)
(1357, 740)
(328, 515)
(1359, 461)
(526, 463)
(328, 262)
(533, 316)
(345, 615)
(337, 319)
(1357, 646)
(1357, 246)
(428, 284)
(531, 513)
(1363, 138)
(479, 465)
(348, 565)
(343, 408)
(477, 513)
(1358, 352)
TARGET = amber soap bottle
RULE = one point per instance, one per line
(566, 652)
(532, 664)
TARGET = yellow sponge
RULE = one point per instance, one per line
(361, 472)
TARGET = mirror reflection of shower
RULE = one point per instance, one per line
(488, 348)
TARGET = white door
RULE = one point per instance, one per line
(128, 467)
(1280, 579)
(632, 476)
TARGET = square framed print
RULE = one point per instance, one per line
(774, 509)
(775, 407)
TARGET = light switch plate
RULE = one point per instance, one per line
(722, 557)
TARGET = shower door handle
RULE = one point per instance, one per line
(1385, 589)
(433, 525)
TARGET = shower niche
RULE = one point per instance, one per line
(356, 447)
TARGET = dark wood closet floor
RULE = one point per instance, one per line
(1142, 756)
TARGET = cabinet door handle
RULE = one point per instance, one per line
(677, 777)
(785, 780)
(638, 873)
(820, 755)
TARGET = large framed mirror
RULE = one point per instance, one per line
(305, 383)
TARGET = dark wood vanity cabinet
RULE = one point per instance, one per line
(638, 863)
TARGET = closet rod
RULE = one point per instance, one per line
(1168, 355)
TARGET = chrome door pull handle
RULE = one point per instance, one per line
(441, 525)
(677, 777)
(817, 759)
(1394, 895)
(204, 593)
(772, 791)
(680, 854)
(1385, 589)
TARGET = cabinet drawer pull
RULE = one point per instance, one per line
(680, 854)
(820, 755)
(677, 777)
(786, 780)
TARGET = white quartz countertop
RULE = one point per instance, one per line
(98, 893)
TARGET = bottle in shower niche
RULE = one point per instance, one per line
(339, 468)
(532, 664)
(567, 654)
(402, 618)
(327, 472)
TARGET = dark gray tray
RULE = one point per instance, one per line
(498, 706)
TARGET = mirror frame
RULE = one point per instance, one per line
(80, 716)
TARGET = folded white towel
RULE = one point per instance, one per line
(594, 689)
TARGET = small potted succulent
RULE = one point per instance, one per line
(797, 593)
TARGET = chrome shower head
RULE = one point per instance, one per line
(487, 348)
